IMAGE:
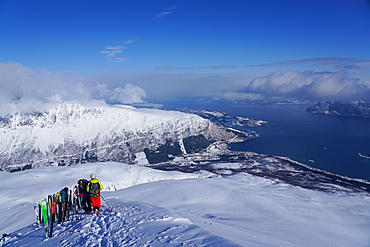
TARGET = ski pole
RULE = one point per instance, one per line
(105, 201)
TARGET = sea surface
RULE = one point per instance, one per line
(331, 143)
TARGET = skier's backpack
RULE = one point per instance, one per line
(94, 189)
(82, 185)
(63, 196)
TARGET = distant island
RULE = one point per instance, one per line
(352, 109)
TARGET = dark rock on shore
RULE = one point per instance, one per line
(353, 109)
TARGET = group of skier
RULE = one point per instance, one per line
(88, 194)
(58, 207)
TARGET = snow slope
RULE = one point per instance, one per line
(155, 208)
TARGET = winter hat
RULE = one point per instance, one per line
(92, 176)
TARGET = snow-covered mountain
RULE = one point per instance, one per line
(72, 133)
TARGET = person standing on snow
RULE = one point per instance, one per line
(62, 202)
(83, 195)
(94, 187)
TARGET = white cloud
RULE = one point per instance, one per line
(23, 89)
(164, 13)
(281, 82)
(115, 47)
(242, 96)
(127, 94)
(336, 85)
(117, 59)
(309, 86)
(112, 53)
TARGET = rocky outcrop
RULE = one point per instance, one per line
(353, 109)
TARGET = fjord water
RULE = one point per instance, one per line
(327, 142)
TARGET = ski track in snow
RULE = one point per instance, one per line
(126, 224)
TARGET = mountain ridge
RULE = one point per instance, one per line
(71, 133)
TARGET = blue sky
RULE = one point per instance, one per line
(304, 49)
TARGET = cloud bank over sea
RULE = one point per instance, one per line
(29, 89)
(307, 85)
(26, 89)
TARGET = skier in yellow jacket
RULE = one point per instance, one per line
(93, 188)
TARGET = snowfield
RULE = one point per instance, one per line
(146, 207)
